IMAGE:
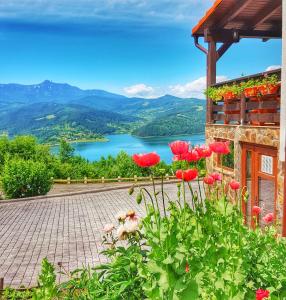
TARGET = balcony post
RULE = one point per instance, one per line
(242, 110)
(211, 75)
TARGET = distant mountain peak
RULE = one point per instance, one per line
(46, 82)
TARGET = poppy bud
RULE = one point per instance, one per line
(139, 198)
(131, 190)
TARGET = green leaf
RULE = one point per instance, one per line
(169, 260)
(191, 292)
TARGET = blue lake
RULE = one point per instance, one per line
(131, 144)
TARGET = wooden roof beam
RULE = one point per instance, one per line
(223, 48)
(230, 35)
(265, 14)
(235, 11)
(268, 16)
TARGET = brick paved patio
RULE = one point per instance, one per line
(65, 229)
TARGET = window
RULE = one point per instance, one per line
(227, 161)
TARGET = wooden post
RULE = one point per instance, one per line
(211, 75)
(135, 178)
(242, 110)
(1, 284)
(68, 180)
(119, 179)
(167, 177)
(85, 180)
(102, 179)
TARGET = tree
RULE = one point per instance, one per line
(66, 151)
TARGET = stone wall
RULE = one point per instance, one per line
(260, 135)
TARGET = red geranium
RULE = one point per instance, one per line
(268, 218)
(220, 147)
(179, 147)
(209, 180)
(187, 175)
(256, 210)
(216, 176)
(262, 294)
(146, 160)
(234, 185)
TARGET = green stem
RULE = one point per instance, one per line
(198, 179)
(193, 197)
(163, 197)
(154, 191)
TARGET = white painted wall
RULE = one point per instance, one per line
(283, 87)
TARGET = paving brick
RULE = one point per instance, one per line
(64, 229)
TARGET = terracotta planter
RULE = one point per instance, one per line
(229, 96)
(268, 89)
(251, 92)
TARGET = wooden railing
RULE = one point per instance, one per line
(264, 110)
(86, 180)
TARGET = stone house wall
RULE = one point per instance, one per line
(260, 135)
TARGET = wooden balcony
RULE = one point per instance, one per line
(261, 110)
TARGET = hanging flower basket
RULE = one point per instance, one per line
(268, 89)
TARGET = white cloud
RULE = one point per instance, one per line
(193, 88)
(140, 90)
(274, 67)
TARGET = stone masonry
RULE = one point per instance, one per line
(259, 135)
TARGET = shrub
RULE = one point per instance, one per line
(25, 178)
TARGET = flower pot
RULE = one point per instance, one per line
(268, 89)
(251, 92)
(229, 96)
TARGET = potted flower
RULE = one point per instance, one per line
(269, 86)
(250, 89)
(231, 93)
(214, 93)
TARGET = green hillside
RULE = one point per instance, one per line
(51, 111)
(50, 122)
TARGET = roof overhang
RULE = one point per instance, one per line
(230, 20)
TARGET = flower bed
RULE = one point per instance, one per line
(195, 248)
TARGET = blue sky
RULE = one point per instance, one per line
(132, 47)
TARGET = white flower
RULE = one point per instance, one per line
(131, 226)
(121, 216)
(108, 228)
(122, 232)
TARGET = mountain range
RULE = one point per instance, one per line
(52, 111)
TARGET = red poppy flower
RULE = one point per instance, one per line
(204, 151)
(268, 218)
(146, 160)
(256, 210)
(179, 147)
(220, 147)
(179, 174)
(234, 185)
(262, 294)
(209, 180)
(187, 175)
(216, 176)
(187, 269)
(191, 156)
